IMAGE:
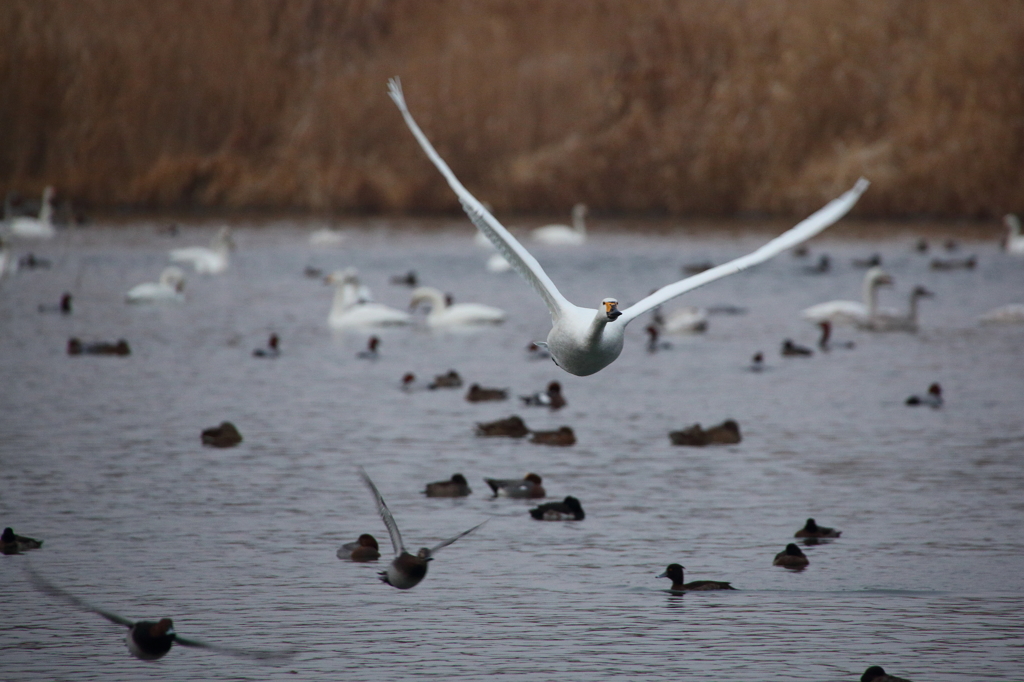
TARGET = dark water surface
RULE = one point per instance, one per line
(101, 458)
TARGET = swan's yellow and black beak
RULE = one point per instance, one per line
(611, 309)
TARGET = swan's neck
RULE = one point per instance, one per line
(596, 330)
(912, 313)
(1013, 223)
(436, 299)
(871, 296)
(346, 295)
(46, 211)
(578, 222)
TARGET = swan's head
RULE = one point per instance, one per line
(921, 292)
(223, 238)
(579, 210)
(173, 277)
(877, 277)
(48, 194)
(1012, 223)
(611, 309)
(342, 277)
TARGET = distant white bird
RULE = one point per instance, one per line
(564, 235)
(36, 228)
(1011, 313)
(8, 264)
(583, 341)
(497, 263)
(851, 312)
(894, 321)
(686, 320)
(353, 306)
(207, 260)
(1014, 239)
(326, 237)
(457, 314)
(169, 288)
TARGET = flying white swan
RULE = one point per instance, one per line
(851, 312)
(1014, 239)
(564, 235)
(36, 228)
(894, 321)
(353, 306)
(169, 288)
(209, 260)
(583, 341)
(457, 314)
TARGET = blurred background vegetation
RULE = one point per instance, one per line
(633, 106)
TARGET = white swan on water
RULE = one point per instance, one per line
(895, 321)
(564, 235)
(851, 312)
(353, 307)
(583, 341)
(210, 260)
(457, 314)
(36, 228)
(1014, 239)
(169, 288)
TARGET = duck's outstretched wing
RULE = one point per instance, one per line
(244, 653)
(818, 221)
(449, 541)
(385, 513)
(44, 585)
(507, 245)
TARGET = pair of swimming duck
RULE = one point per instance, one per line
(792, 557)
(515, 427)
(527, 487)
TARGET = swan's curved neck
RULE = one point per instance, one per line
(46, 210)
(871, 295)
(435, 298)
(578, 222)
(596, 329)
(346, 295)
(912, 313)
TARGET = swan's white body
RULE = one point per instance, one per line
(353, 308)
(564, 235)
(326, 237)
(687, 320)
(7, 262)
(583, 341)
(455, 315)
(894, 321)
(28, 227)
(497, 263)
(1014, 239)
(210, 260)
(169, 288)
(851, 312)
(1011, 313)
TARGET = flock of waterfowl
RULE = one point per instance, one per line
(582, 341)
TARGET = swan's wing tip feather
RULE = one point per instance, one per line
(395, 91)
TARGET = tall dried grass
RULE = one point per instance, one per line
(630, 105)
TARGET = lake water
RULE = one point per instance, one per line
(101, 458)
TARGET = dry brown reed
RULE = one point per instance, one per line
(684, 107)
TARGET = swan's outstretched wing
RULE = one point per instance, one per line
(244, 653)
(507, 245)
(44, 585)
(830, 213)
(385, 513)
(449, 541)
